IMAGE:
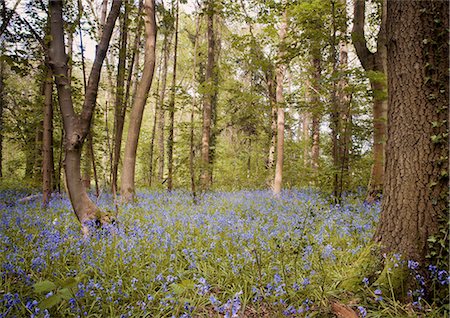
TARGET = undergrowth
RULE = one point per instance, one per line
(241, 254)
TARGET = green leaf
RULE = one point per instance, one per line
(69, 283)
(188, 284)
(177, 289)
(65, 293)
(44, 286)
(50, 301)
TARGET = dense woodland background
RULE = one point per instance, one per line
(322, 87)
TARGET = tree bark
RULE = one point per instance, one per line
(2, 105)
(155, 122)
(374, 62)
(170, 140)
(415, 196)
(47, 140)
(345, 118)
(161, 110)
(205, 177)
(273, 128)
(316, 114)
(129, 164)
(280, 72)
(120, 103)
(194, 103)
(76, 127)
(335, 114)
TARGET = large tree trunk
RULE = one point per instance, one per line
(120, 103)
(47, 140)
(415, 195)
(76, 127)
(280, 72)
(205, 177)
(137, 111)
(172, 107)
(374, 62)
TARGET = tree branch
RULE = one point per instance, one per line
(94, 77)
(358, 36)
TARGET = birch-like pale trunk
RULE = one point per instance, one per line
(129, 164)
(280, 73)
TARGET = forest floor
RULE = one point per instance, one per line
(234, 254)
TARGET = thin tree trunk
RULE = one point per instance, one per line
(214, 99)
(60, 162)
(335, 114)
(170, 140)
(280, 72)
(120, 103)
(273, 128)
(316, 114)
(344, 101)
(162, 94)
(306, 129)
(76, 126)
(129, 164)
(2, 105)
(155, 119)
(89, 159)
(415, 196)
(205, 177)
(47, 140)
(37, 155)
(194, 103)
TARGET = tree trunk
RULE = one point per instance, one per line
(205, 177)
(375, 62)
(76, 127)
(87, 164)
(280, 72)
(214, 99)
(273, 128)
(194, 103)
(316, 114)
(89, 160)
(155, 122)
(345, 118)
(172, 107)
(120, 103)
(335, 111)
(415, 195)
(133, 63)
(2, 105)
(129, 164)
(47, 140)
(161, 113)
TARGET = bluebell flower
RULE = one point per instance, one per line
(362, 311)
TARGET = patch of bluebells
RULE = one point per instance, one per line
(163, 239)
